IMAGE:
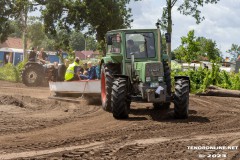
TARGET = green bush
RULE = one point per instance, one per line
(202, 78)
(12, 73)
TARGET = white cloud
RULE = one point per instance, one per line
(221, 24)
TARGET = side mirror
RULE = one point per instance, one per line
(109, 40)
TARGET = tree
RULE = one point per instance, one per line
(77, 41)
(209, 49)
(36, 32)
(189, 48)
(187, 7)
(91, 43)
(98, 16)
(15, 10)
(16, 29)
(234, 51)
(6, 12)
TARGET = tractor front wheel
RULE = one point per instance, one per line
(181, 99)
(120, 101)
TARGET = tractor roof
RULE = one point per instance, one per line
(132, 30)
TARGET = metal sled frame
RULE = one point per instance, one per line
(78, 87)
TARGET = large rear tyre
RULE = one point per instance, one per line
(33, 75)
(120, 101)
(106, 88)
(181, 99)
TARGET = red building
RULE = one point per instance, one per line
(83, 55)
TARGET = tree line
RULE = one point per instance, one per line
(62, 21)
(75, 40)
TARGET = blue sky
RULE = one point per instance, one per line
(221, 24)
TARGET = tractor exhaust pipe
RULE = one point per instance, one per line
(132, 65)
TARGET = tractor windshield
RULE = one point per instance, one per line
(141, 44)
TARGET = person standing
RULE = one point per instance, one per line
(72, 72)
(60, 55)
(98, 69)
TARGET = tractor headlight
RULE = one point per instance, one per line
(148, 79)
(160, 79)
(154, 84)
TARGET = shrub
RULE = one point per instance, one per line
(202, 78)
(12, 73)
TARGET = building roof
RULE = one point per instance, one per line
(12, 42)
(85, 54)
(11, 50)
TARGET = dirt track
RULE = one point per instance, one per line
(32, 126)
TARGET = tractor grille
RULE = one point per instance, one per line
(154, 70)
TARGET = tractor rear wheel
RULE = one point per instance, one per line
(181, 99)
(120, 101)
(33, 75)
(106, 88)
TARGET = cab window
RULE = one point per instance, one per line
(141, 44)
(115, 47)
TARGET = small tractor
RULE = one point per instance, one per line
(37, 74)
(135, 69)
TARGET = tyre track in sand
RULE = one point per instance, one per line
(110, 150)
(147, 134)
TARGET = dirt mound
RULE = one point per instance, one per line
(10, 100)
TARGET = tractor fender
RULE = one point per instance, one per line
(185, 78)
(32, 63)
(106, 60)
(120, 75)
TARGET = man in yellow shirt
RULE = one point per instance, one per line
(72, 72)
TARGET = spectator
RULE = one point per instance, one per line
(32, 55)
(98, 68)
(60, 55)
(66, 62)
(73, 71)
(84, 69)
(91, 73)
(42, 56)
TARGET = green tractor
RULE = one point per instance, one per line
(135, 69)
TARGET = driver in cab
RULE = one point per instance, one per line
(131, 47)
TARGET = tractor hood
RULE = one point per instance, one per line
(149, 71)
